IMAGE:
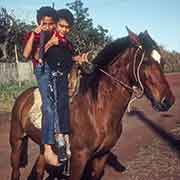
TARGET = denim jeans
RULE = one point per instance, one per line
(47, 111)
(60, 101)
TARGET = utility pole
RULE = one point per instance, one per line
(53, 4)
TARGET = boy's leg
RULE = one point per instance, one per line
(63, 104)
(59, 134)
(47, 121)
(63, 110)
(48, 114)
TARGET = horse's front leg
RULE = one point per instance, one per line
(38, 169)
(96, 168)
(78, 162)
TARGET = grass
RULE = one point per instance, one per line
(9, 92)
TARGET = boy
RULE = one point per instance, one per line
(46, 18)
(60, 56)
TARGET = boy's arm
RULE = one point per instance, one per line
(28, 46)
(83, 57)
(29, 43)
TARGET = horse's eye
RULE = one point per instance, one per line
(156, 56)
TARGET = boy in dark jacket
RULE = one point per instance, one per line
(60, 57)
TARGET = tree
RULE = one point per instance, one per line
(5, 28)
(84, 35)
(12, 31)
(171, 60)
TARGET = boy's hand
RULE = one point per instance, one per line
(53, 41)
(83, 57)
(39, 28)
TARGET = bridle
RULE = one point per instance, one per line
(136, 73)
(137, 90)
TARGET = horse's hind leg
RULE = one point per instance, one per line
(15, 160)
(18, 144)
(37, 172)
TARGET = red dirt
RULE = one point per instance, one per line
(133, 146)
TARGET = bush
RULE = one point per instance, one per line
(9, 92)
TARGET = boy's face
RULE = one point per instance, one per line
(48, 24)
(63, 27)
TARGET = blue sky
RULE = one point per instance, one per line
(159, 17)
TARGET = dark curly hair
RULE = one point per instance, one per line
(46, 11)
(65, 14)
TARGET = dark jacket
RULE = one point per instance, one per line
(59, 57)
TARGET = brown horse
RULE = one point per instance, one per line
(97, 111)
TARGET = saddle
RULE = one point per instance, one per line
(74, 81)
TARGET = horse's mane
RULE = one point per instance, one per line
(102, 60)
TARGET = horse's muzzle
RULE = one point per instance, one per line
(165, 104)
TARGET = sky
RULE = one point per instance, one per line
(159, 17)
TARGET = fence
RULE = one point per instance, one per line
(16, 72)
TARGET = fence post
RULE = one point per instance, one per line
(17, 65)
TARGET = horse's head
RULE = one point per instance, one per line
(132, 61)
(148, 73)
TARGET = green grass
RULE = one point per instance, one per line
(9, 92)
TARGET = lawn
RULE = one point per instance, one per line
(9, 92)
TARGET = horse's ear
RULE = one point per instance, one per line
(134, 38)
(146, 32)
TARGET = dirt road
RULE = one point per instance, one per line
(149, 147)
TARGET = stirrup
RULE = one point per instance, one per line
(60, 146)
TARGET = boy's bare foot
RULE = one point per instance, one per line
(50, 157)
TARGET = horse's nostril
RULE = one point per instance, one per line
(164, 100)
(166, 103)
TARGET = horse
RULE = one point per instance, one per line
(96, 111)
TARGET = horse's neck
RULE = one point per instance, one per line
(112, 95)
